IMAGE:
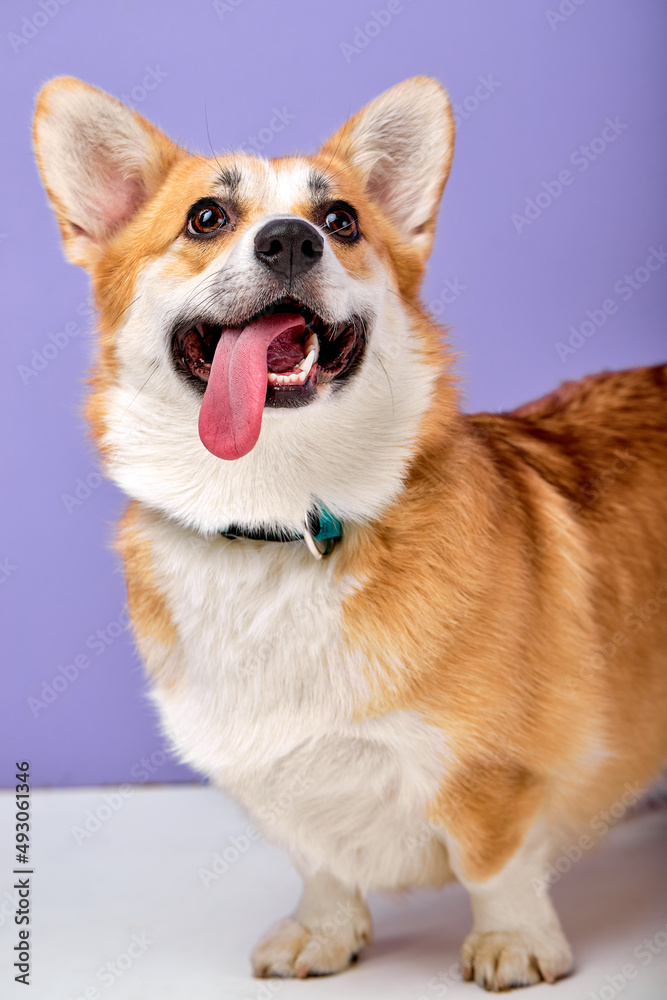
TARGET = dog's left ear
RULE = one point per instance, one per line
(402, 145)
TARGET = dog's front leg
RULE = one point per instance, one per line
(516, 938)
(330, 926)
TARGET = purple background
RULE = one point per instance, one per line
(553, 88)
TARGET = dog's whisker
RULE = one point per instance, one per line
(208, 136)
(153, 368)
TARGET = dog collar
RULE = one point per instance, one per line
(321, 531)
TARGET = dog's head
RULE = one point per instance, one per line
(261, 343)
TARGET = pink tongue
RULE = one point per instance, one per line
(230, 417)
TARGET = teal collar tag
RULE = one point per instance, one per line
(322, 530)
(329, 527)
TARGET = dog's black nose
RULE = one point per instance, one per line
(289, 246)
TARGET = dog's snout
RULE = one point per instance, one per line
(289, 246)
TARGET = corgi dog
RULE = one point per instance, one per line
(415, 645)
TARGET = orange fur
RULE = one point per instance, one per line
(148, 609)
(532, 579)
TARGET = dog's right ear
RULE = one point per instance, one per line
(99, 161)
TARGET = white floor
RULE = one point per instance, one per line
(135, 883)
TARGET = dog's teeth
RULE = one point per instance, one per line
(289, 378)
(313, 344)
(299, 375)
(307, 363)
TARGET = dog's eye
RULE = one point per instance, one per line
(205, 219)
(342, 222)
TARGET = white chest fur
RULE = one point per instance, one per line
(264, 701)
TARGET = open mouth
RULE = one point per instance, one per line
(298, 359)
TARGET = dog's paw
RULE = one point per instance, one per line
(504, 959)
(291, 949)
